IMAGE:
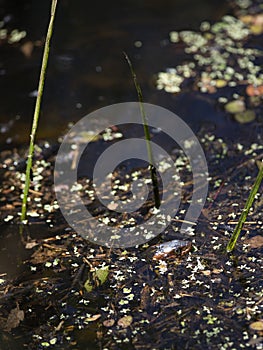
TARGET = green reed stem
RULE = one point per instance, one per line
(147, 136)
(37, 109)
(243, 217)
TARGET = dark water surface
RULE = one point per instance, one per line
(87, 69)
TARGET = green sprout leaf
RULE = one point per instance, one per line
(147, 136)
(102, 274)
(243, 217)
(88, 286)
(99, 277)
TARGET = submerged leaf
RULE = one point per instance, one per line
(108, 323)
(255, 242)
(235, 106)
(88, 136)
(257, 325)
(125, 321)
(14, 318)
(245, 117)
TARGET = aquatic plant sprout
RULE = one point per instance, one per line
(37, 109)
(147, 136)
(243, 217)
(100, 231)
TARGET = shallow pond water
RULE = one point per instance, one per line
(87, 69)
(200, 299)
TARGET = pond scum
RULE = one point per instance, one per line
(75, 295)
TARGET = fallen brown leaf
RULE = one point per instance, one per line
(108, 323)
(93, 318)
(14, 318)
(125, 321)
(27, 48)
(255, 242)
(257, 325)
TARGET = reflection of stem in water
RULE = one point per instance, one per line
(147, 136)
